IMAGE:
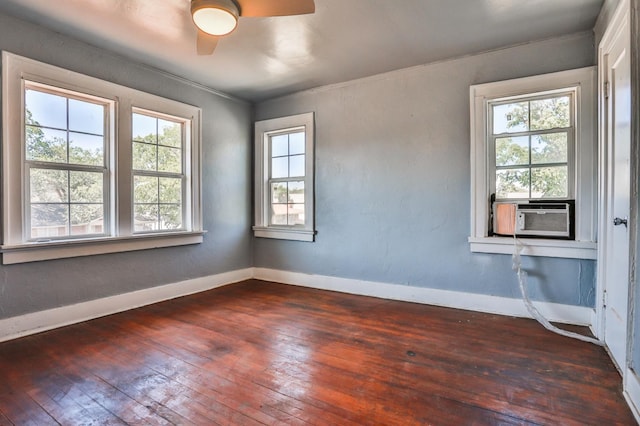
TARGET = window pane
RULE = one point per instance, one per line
(513, 183)
(296, 192)
(550, 113)
(45, 110)
(549, 148)
(296, 143)
(46, 145)
(144, 156)
(145, 217)
(278, 214)
(49, 220)
(549, 182)
(48, 186)
(170, 133)
(169, 159)
(280, 167)
(86, 187)
(279, 192)
(279, 145)
(86, 117)
(86, 219)
(511, 118)
(86, 149)
(170, 217)
(145, 189)
(170, 190)
(296, 165)
(295, 214)
(512, 151)
(144, 128)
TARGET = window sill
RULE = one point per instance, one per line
(284, 233)
(535, 247)
(32, 252)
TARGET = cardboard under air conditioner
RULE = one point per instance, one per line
(505, 219)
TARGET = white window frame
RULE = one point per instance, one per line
(109, 109)
(583, 82)
(120, 237)
(263, 131)
(184, 175)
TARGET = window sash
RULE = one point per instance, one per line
(28, 203)
(271, 220)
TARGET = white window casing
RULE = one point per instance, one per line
(120, 102)
(582, 163)
(264, 131)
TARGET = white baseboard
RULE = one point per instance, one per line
(23, 325)
(632, 393)
(566, 314)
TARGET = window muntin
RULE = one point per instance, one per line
(286, 178)
(532, 140)
(65, 136)
(158, 172)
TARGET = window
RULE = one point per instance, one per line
(65, 163)
(158, 178)
(91, 167)
(284, 178)
(534, 139)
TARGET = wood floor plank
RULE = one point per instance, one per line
(263, 353)
(226, 378)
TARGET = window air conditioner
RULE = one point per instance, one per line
(543, 219)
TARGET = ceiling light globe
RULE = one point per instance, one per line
(215, 17)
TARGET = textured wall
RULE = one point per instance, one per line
(393, 179)
(226, 188)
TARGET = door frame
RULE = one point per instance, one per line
(615, 25)
(629, 10)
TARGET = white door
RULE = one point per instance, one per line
(618, 132)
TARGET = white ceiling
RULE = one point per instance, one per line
(343, 40)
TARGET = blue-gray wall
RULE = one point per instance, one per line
(393, 179)
(226, 188)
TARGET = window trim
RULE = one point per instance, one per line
(585, 183)
(263, 130)
(15, 247)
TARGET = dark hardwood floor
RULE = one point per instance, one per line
(262, 353)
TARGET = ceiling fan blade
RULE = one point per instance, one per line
(262, 8)
(206, 43)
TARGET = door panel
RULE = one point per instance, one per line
(618, 72)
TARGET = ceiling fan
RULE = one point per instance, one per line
(217, 18)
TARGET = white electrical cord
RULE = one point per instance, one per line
(535, 313)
